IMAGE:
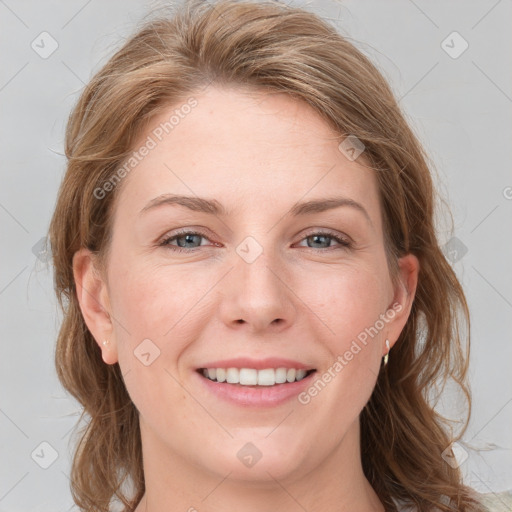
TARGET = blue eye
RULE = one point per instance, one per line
(327, 235)
(186, 240)
(187, 236)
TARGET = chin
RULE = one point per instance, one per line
(258, 461)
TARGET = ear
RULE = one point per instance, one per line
(404, 293)
(92, 294)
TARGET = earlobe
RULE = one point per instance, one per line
(92, 295)
(108, 352)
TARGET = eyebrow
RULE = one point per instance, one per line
(213, 207)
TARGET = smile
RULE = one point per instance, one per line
(254, 388)
(254, 377)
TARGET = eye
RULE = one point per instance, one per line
(185, 240)
(189, 241)
(324, 237)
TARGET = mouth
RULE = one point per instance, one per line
(252, 377)
(254, 388)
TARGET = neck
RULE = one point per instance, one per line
(336, 484)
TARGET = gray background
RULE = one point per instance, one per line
(459, 106)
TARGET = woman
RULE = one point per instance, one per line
(252, 370)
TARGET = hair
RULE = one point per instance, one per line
(274, 48)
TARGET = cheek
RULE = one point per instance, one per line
(349, 302)
(153, 309)
(150, 301)
(351, 307)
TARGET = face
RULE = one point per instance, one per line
(260, 283)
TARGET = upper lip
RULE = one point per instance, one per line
(257, 364)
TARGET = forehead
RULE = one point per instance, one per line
(246, 148)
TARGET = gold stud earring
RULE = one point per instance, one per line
(386, 357)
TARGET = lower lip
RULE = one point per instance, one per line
(256, 396)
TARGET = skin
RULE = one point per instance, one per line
(257, 154)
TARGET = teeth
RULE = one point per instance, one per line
(266, 377)
(252, 377)
(232, 376)
(248, 377)
(281, 375)
(300, 374)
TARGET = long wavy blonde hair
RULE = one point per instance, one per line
(275, 48)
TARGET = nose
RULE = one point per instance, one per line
(257, 296)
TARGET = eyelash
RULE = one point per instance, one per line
(344, 243)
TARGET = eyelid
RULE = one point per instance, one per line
(182, 232)
(343, 240)
(330, 232)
